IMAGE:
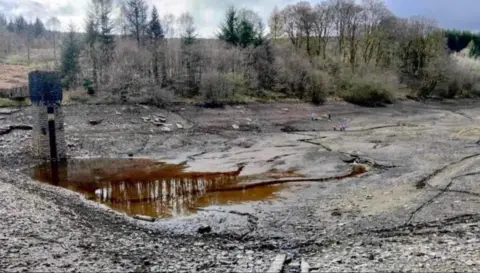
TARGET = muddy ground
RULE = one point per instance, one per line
(415, 210)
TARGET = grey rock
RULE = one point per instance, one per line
(204, 229)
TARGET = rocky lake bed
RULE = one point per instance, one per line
(295, 195)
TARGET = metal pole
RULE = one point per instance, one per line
(53, 144)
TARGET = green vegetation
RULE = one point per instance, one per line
(241, 28)
(14, 103)
(70, 56)
(367, 94)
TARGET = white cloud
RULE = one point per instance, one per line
(208, 14)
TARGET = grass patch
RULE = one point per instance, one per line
(14, 103)
(75, 96)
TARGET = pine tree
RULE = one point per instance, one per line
(69, 61)
(91, 38)
(228, 29)
(241, 28)
(102, 10)
(137, 23)
(21, 26)
(188, 32)
(246, 33)
(11, 26)
(39, 28)
(190, 57)
(157, 35)
(3, 22)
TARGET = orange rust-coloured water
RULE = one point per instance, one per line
(146, 187)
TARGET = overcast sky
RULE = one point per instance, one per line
(460, 14)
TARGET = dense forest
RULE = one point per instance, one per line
(362, 53)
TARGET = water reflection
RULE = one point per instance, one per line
(146, 187)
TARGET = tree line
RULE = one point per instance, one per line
(28, 31)
(333, 48)
(458, 40)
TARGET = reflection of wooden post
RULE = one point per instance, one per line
(53, 144)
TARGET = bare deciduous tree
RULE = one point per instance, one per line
(136, 17)
(275, 23)
(322, 26)
(53, 25)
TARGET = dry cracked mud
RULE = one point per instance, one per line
(416, 209)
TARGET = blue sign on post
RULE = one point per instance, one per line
(45, 88)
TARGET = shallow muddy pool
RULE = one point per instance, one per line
(147, 187)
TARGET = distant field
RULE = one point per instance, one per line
(13, 75)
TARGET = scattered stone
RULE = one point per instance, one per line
(179, 126)
(8, 111)
(355, 154)
(204, 229)
(347, 159)
(144, 218)
(469, 263)
(277, 264)
(304, 266)
(336, 212)
(198, 244)
(117, 113)
(285, 109)
(295, 265)
(165, 129)
(95, 121)
(235, 126)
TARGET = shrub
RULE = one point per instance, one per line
(319, 85)
(218, 89)
(153, 95)
(369, 94)
(88, 86)
(458, 80)
(75, 96)
(293, 72)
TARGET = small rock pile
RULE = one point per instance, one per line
(160, 120)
